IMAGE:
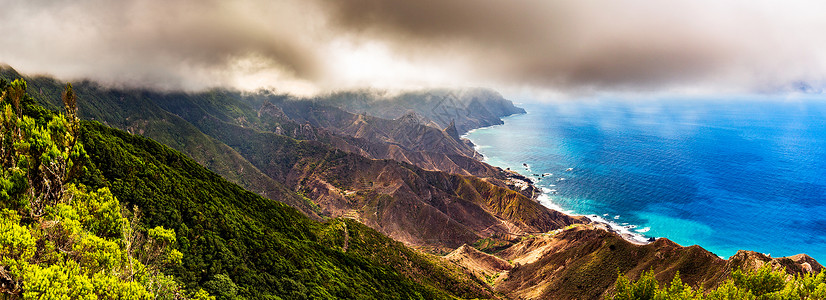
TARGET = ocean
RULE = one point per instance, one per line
(726, 174)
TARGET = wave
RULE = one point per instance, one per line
(546, 201)
(623, 229)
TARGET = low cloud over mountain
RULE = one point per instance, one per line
(311, 46)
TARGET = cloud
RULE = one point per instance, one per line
(164, 44)
(312, 45)
(604, 45)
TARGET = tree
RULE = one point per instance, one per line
(62, 241)
(763, 283)
(37, 158)
(644, 288)
(222, 287)
(760, 282)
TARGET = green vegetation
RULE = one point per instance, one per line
(66, 231)
(760, 284)
(60, 240)
(265, 248)
(273, 146)
(492, 245)
(140, 112)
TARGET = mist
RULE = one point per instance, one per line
(305, 47)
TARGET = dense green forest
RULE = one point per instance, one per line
(91, 210)
(60, 238)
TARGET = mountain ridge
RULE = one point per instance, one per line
(228, 120)
(222, 239)
(582, 262)
(313, 168)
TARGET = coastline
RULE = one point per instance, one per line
(543, 197)
(693, 200)
(625, 231)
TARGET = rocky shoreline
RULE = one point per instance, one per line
(526, 186)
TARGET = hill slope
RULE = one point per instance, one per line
(135, 112)
(275, 151)
(263, 246)
(423, 208)
(583, 262)
(232, 242)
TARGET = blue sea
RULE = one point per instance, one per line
(726, 174)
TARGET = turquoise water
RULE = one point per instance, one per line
(723, 174)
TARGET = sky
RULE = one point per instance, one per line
(517, 46)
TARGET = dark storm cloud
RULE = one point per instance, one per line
(565, 46)
(635, 45)
(167, 44)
